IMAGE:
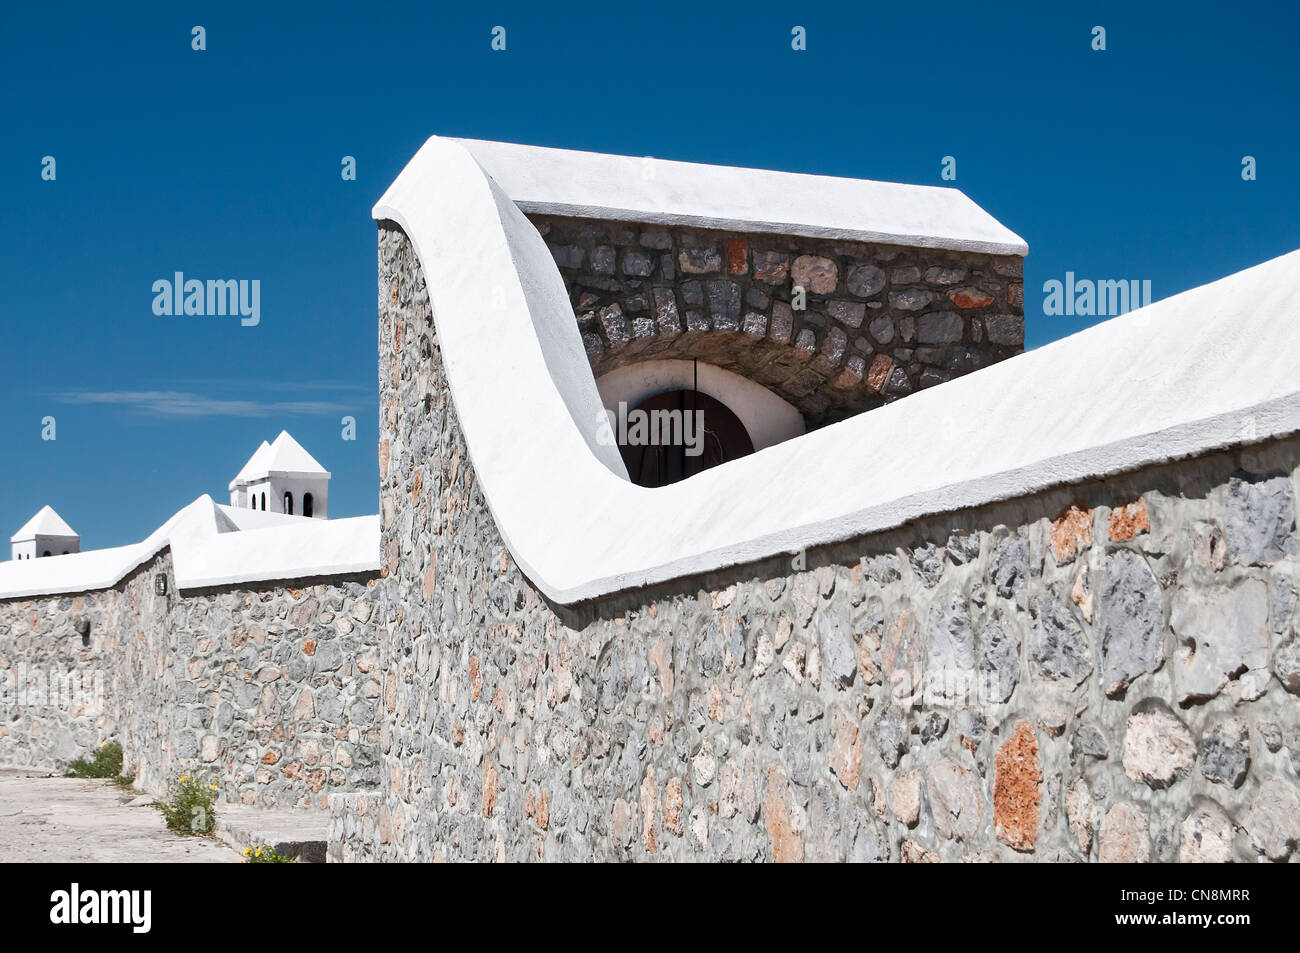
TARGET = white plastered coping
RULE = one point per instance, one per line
(664, 192)
(210, 548)
(1204, 370)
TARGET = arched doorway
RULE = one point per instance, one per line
(677, 434)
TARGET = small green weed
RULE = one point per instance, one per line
(189, 808)
(106, 763)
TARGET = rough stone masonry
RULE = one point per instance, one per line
(877, 322)
(1104, 672)
(270, 689)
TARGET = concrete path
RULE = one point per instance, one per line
(44, 819)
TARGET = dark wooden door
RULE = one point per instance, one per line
(658, 464)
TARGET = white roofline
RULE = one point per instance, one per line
(268, 474)
(206, 552)
(284, 449)
(251, 466)
(44, 520)
(332, 547)
(667, 192)
(1141, 389)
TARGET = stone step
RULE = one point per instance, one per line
(294, 833)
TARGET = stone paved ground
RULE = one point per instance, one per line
(50, 820)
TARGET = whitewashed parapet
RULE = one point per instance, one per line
(1152, 385)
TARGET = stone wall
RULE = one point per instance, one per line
(1102, 672)
(353, 835)
(880, 321)
(270, 688)
(64, 694)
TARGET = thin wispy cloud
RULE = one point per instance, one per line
(172, 403)
(217, 383)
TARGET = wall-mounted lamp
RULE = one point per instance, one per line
(160, 584)
(82, 626)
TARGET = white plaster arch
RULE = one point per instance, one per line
(768, 418)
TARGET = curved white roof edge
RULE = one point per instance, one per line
(667, 192)
(207, 550)
(1206, 369)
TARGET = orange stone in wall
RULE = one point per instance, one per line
(1015, 789)
(787, 845)
(1071, 534)
(971, 298)
(1128, 521)
(737, 255)
(878, 372)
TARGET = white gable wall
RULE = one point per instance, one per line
(41, 544)
(57, 545)
(275, 488)
(242, 496)
(299, 486)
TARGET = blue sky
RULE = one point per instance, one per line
(225, 164)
